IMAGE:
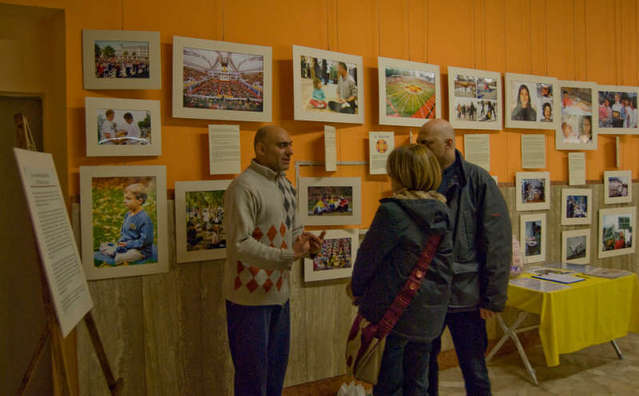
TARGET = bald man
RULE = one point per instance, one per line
(264, 239)
(482, 254)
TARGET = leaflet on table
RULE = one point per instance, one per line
(609, 273)
(566, 279)
(548, 270)
(538, 285)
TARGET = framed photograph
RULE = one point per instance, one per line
(576, 206)
(121, 59)
(199, 218)
(409, 92)
(330, 201)
(328, 86)
(123, 216)
(122, 127)
(617, 109)
(578, 123)
(617, 187)
(531, 101)
(533, 191)
(474, 98)
(575, 247)
(217, 80)
(336, 259)
(616, 226)
(532, 235)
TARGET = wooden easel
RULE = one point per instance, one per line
(51, 329)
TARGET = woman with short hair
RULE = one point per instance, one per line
(392, 247)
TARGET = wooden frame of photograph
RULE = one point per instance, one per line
(567, 192)
(535, 256)
(311, 275)
(317, 217)
(93, 119)
(516, 81)
(607, 128)
(520, 178)
(91, 81)
(319, 113)
(471, 93)
(182, 188)
(620, 175)
(412, 68)
(136, 174)
(569, 119)
(631, 212)
(181, 111)
(565, 236)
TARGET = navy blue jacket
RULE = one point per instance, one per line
(388, 254)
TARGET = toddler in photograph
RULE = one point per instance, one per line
(318, 100)
(136, 233)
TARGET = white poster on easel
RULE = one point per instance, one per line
(58, 250)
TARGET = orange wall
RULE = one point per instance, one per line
(567, 39)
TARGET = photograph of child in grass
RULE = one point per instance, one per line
(124, 221)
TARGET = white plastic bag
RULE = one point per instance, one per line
(351, 389)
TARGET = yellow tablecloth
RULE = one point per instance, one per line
(590, 312)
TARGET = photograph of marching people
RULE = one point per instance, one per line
(615, 231)
(199, 214)
(617, 109)
(533, 237)
(221, 81)
(330, 200)
(474, 98)
(576, 206)
(336, 257)
(617, 187)
(122, 127)
(533, 190)
(123, 215)
(409, 92)
(577, 126)
(328, 86)
(575, 246)
(116, 59)
(531, 101)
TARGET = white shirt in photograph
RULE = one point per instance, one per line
(131, 129)
(107, 130)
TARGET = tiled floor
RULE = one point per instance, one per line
(592, 371)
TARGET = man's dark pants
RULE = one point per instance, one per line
(259, 339)
(468, 330)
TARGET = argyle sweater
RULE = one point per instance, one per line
(259, 218)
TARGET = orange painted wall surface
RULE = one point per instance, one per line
(590, 40)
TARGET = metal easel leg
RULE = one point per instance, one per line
(614, 345)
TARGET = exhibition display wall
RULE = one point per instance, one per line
(166, 333)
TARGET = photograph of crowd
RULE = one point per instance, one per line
(576, 116)
(330, 201)
(475, 98)
(576, 206)
(410, 93)
(127, 127)
(531, 101)
(616, 232)
(328, 85)
(335, 254)
(617, 110)
(576, 247)
(204, 220)
(533, 238)
(222, 80)
(533, 191)
(121, 59)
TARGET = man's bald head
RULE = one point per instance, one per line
(273, 147)
(439, 136)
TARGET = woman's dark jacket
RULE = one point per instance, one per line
(388, 254)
